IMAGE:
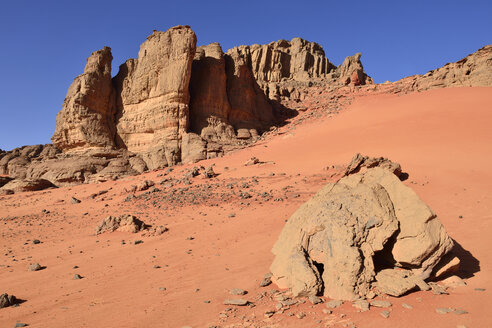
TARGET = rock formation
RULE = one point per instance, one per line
(153, 96)
(178, 103)
(364, 226)
(86, 119)
(125, 223)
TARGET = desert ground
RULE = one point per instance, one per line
(219, 238)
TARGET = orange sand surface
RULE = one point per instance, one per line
(442, 138)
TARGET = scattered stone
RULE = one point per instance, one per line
(7, 300)
(453, 281)
(77, 276)
(206, 301)
(437, 290)
(145, 185)
(237, 302)
(252, 161)
(237, 291)
(460, 311)
(444, 310)
(231, 215)
(385, 314)
(34, 267)
(209, 172)
(480, 289)
(75, 200)
(333, 304)
(267, 280)
(407, 306)
(326, 311)
(269, 314)
(162, 289)
(20, 324)
(380, 304)
(448, 265)
(300, 315)
(36, 241)
(361, 305)
(137, 242)
(315, 299)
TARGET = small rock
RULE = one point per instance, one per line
(333, 304)
(20, 324)
(361, 305)
(460, 311)
(380, 304)
(326, 311)
(237, 302)
(267, 280)
(231, 215)
(480, 289)
(162, 289)
(34, 267)
(36, 241)
(385, 314)
(453, 281)
(407, 306)
(301, 315)
(207, 301)
(444, 310)
(268, 314)
(136, 242)
(75, 200)
(77, 277)
(315, 299)
(7, 300)
(237, 291)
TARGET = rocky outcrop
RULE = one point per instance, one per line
(153, 96)
(342, 238)
(352, 72)
(474, 70)
(86, 118)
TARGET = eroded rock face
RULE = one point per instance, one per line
(337, 242)
(153, 96)
(86, 119)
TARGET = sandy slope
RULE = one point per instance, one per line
(442, 138)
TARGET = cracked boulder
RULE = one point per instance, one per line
(341, 239)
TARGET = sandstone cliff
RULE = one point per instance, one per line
(153, 97)
(86, 118)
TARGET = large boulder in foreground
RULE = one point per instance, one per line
(336, 243)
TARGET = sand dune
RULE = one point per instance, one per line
(442, 138)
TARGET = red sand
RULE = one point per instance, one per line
(442, 138)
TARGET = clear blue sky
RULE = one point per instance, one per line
(44, 44)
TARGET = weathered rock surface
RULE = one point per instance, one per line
(153, 95)
(86, 119)
(125, 222)
(338, 241)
